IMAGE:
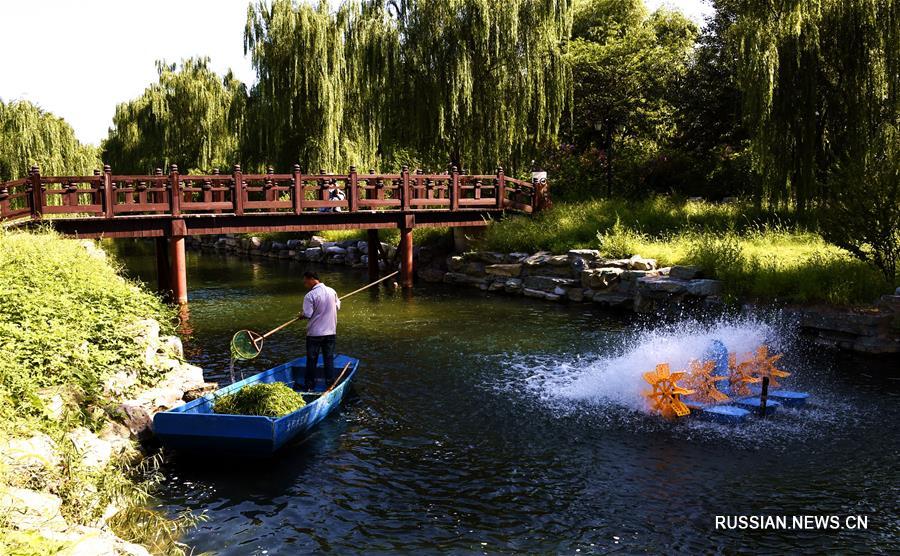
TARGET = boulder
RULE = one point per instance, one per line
(552, 296)
(662, 284)
(335, 250)
(513, 285)
(315, 241)
(95, 452)
(192, 394)
(118, 436)
(28, 457)
(612, 299)
(496, 285)
(294, 244)
(624, 264)
(313, 254)
(533, 293)
(460, 278)
(119, 383)
(182, 377)
(431, 274)
(639, 263)
(600, 278)
(278, 246)
(171, 346)
(587, 254)
(91, 541)
(538, 259)
(473, 269)
(685, 272)
(504, 270)
(254, 243)
(516, 257)
(547, 283)
(704, 288)
(634, 275)
(137, 416)
(29, 510)
(489, 257)
(456, 263)
(575, 294)
(558, 260)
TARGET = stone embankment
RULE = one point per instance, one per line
(36, 465)
(581, 276)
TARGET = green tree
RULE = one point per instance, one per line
(625, 64)
(29, 136)
(191, 117)
(818, 78)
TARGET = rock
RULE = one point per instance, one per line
(552, 296)
(489, 257)
(53, 401)
(516, 257)
(182, 377)
(431, 274)
(897, 291)
(335, 250)
(118, 436)
(94, 451)
(255, 243)
(119, 384)
(547, 283)
(138, 417)
(624, 264)
(93, 249)
(473, 269)
(559, 291)
(316, 241)
(685, 272)
(496, 285)
(156, 399)
(505, 270)
(661, 284)
(704, 288)
(587, 254)
(29, 510)
(633, 275)
(456, 263)
(460, 278)
(558, 260)
(294, 244)
(171, 346)
(95, 541)
(612, 299)
(313, 254)
(600, 278)
(513, 285)
(575, 294)
(639, 263)
(278, 246)
(198, 392)
(28, 457)
(538, 259)
(533, 293)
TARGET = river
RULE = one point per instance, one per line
(485, 424)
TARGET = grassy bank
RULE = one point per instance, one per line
(66, 319)
(759, 254)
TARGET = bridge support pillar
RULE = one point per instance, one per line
(179, 270)
(373, 253)
(163, 271)
(406, 257)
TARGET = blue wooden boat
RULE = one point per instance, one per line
(194, 427)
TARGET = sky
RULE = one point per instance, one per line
(79, 59)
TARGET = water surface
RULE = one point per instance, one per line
(481, 423)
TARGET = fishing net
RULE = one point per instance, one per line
(246, 344)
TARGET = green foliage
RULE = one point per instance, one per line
(29, 136)
(65, 319)
(757, 253)
(190, 117)
(370, 84)
(269, 400)
(625, 65)
(819, 78)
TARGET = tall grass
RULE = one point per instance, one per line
(758, 254)
(65, 326)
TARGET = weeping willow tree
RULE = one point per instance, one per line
(474, 82)
(191, 117)
(29, 136)
(820, 79)
(324, 81)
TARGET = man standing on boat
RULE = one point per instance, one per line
(320, 306)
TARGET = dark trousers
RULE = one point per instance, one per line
(314, 346)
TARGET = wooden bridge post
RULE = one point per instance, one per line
(454, 188)
(405, 192)
(298, 190)
(109, 195)
(353, 193)
(178, 270)
(406, 251)
(37, 197)
(238, 194)
(163, 270)
(374, 245)
(501, 187)
(175, 191)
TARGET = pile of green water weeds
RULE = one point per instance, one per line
(268, 400)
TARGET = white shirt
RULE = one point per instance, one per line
(320, 306)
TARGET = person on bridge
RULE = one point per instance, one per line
(320, 306)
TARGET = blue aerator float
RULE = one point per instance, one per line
(720, 388)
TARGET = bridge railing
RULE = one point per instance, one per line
(108, 195)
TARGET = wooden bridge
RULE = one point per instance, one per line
(170, 206)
